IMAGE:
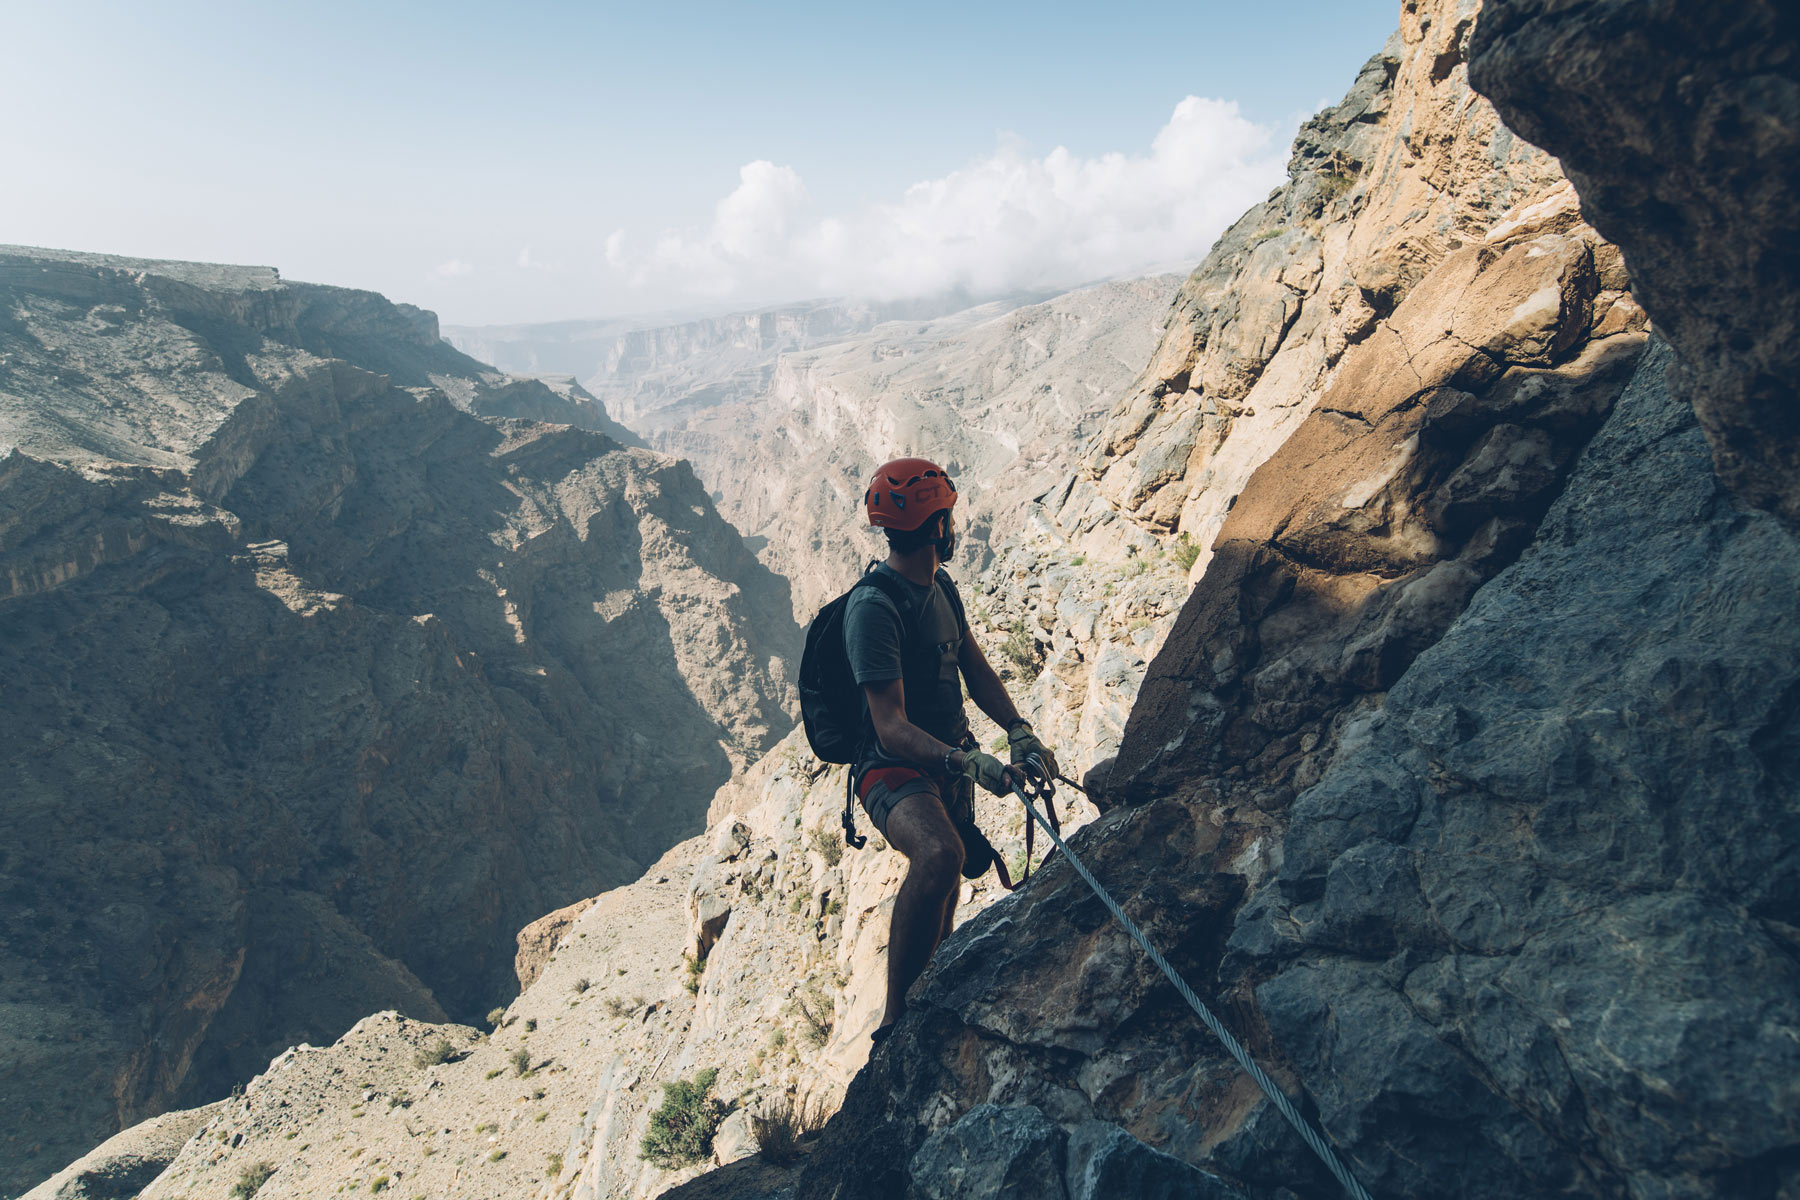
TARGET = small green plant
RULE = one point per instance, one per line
(496, 1016)
(1186, 551)
(251, 1180)
(379, 1183)
(496, 1071)
(496, 1156)
(616, 1007)
(521, 1061)
(681, 1131)
(583, 984)
(1020, 646)
(830, 848)
(814, 1009)
(778, 1039)
(553, 1166)
(438, 1050)
(695, 968)
(542, 1117)
(1267, 234)
(1078, 561)
(531, 1025)
(781, 1127)
(487, 1128)
(834, 906)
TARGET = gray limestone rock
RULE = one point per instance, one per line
(1106, 1162)
(1002, 1153)
(1680, 126)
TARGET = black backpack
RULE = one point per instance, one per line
(831, 701)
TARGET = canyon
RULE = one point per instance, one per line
(1412, 583)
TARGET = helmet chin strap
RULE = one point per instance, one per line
(945, 542)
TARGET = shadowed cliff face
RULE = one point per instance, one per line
(1680, 125)
(1464, 785)
(319, 686)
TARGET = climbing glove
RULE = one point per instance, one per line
(986, 770)
(1025, 745)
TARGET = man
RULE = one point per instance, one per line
(918, 765)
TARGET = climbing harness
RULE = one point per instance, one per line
(1311, 1136)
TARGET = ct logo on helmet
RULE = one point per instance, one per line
(907, 492)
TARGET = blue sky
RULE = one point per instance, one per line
(540, 161)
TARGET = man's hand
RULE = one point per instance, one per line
(1025, 745)
(988, 771)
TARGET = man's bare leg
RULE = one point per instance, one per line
(920, 829)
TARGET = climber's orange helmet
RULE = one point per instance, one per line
(905, 493)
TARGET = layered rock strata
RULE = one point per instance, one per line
(320, 685)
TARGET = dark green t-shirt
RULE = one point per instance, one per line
(873, 629)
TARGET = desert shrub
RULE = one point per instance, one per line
(521, 1061)
(583, 984)
(436, 1051)
(553, 1166)
(379, 1183)
(617, 1007)
(251, 1180)
(780, 1128)
(681, 1131)
(496, 1016)
(830, 848)
(1020, 646)
(814, 1009)
(1186, 551)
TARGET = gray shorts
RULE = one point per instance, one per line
(881, 788)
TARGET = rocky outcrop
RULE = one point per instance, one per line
(125, 1164)
(1681, 128)
(1441, 440)
(1409, 168)
(319, 685)
(1490, 864)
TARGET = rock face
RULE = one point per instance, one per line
(1681, 128)
(1409, 168)
(319, 684)
(1465, 785)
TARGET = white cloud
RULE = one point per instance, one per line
(1008, 220)
(451, 269)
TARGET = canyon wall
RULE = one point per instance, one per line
(326, 672)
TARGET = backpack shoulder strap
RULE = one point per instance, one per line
(947, 585)
(895, 591)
